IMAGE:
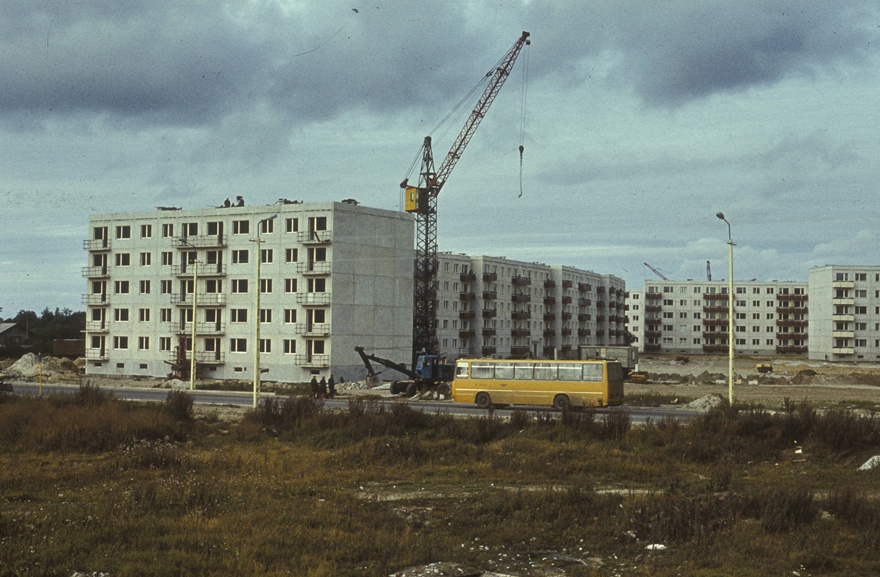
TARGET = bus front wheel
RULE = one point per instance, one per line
(483, 401)
(562, 403)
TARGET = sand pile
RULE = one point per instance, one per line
(29, 366)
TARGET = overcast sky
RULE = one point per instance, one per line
(642, 120)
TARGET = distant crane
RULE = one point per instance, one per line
(656, 272)
(421, 200)
(708, 271)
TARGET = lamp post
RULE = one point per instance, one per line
(730, 327)
(257, 315)
(192, 354)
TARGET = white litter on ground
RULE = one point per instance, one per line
(871, 463)
(705, 403)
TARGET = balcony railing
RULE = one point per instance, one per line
(96, 271)
(313, 330)
(467, 334)
(490, 295)
(785, 297)
(520, 315)
(210, 357)
(585, 287)
(97, 244)
(468, 277)
(96, 300)
(489, 313)
(520, 298)
(313, 299)
(96, 355)
(468, 296)
(490, 276)
(213, 269)
(521, 281)
(199, 241)
(520, 332)
(314, 236)
(489, 332)
(312, 361)
(313, 268)
(467, 315)
(97, 326)
(203, 299)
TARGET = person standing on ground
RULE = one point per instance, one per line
(331, 387)
(322, 388)
(314, 384)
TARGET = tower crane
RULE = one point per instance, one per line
(708, 270)
(421, 200)
(656, 272)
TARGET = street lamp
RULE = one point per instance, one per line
(730, 297)
(257, 315)
(192, 354)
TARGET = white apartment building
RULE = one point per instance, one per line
(495, 307)
(691, 317)
(331, 276)
(845, 313)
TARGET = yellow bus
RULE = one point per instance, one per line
(559, 384)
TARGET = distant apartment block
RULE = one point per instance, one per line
(691, 317)
(495, 307)
(331, 276)
(845, 313)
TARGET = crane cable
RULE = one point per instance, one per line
(522, 119)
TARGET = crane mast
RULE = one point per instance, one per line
(421, 200)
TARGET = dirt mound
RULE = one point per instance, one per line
(30, 365)
(708, 402)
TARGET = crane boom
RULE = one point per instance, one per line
(656, 272)
(422, 201)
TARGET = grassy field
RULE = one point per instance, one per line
(91, 484)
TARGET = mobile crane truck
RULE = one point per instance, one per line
(430, 375)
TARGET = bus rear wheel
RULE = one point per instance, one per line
(483, 401)
(562, 403)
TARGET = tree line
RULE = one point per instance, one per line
(43, 328)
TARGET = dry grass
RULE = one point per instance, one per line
(90, 484)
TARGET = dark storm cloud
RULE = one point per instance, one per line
(689, 50)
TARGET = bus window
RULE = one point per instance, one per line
(545, 371)
(523, 371)
(482, 370)
(461, 371)
(593, 372)
(503, 371)
(570, 372)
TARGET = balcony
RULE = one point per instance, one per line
(319, 268)
(567, 284)
(600, 290)
(465, 352)
(205, 270)
(843, 334)
(312, 361)
(521, 281)
(843, 318)
(843, 284)
(843, 301)
(585, 287)
(786, 297)
(585, 318)
(97, 244)
(549, 317)
(566, 332)
(716, 297)
(520, 315)
(199, 241)
(204, 299)
(488, 351)
(97, 326)
(791, 336)
(96, 271)
(313, 330)
(490, 295)
(716, 322)
(792, 323)
(313, 299)
(549, 333)
(520, 332)
(565, 316)
(600, 305)
(210, 357)
(520, 298)
(490, 277)
(723, 309)
(468, 277)
(585, 302)
(96, 300)
(786, 350)
(96, 355)
(468, 296)
(652, 334)
(467, 334)
(467, 315)
(314, 236)
(715, 334)
(549, 284)
(566, 300)
(201, 328)
(653, 296)
(655, 347)
(792, 310)
(843, 351)
(489, 313)
(549, 301)
(489, 332)
(584, 332)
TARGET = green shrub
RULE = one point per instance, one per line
(179, 405)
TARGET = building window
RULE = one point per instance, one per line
(292, 224)
(239, 285)
(123, 259)
(164, 343)
(289, 346)
(167, 230)
(265, 285)
(267, 226)
(238, 345)
(120, 287)
(146, 231)
(146, 259)
(123, 231)
(266, 255)
(241, 227)
(289, 316)
(143, 343)
(167, 258)
(165, 315)
(240, 256)
(144, 315)
(291, 255)
(120, 343)
(265, 316)
(120, 315)
(290, 285)
(266, 345)
(239, 315)
(165, 287)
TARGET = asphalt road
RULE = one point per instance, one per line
(638, 415)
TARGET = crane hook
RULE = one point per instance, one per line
(521, 149)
